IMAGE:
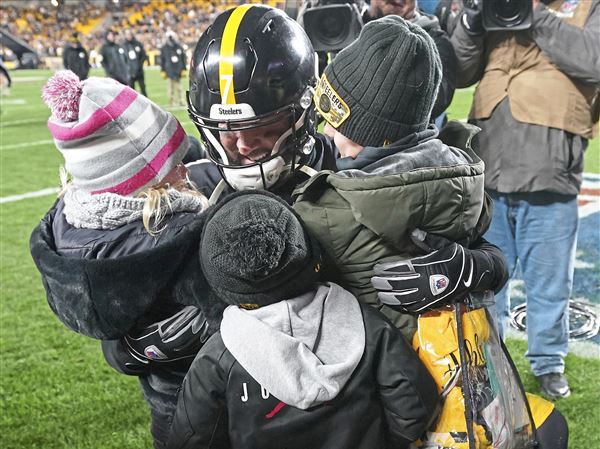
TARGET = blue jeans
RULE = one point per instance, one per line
(539, 231)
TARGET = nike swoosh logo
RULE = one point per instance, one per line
(470, 279)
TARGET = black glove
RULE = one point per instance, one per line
(118, 355)
(471, 18)
(178, 337)
(413, 286)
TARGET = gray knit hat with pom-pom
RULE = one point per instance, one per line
(255, 252)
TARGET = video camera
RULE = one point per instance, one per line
(331, 25)
(506, 14)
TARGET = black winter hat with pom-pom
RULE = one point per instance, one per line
(255, 252)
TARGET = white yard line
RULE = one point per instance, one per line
(23, 122)
(588, 209)
(15, 146)
(43, 192)
(13, 102)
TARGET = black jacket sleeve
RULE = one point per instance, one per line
(449, 69)
(408, 393)
(200, 420)
(490, 266)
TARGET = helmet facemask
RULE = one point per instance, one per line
(273, 163)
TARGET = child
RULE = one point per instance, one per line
(113, 249)
(396, 175)
(297, 363)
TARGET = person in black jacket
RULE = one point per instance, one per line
(408, 10)
(114, 60)
(75, 57)
(115, 248)
(136, 57)
(173, 68)
(297, 363)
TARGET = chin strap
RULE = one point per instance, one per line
(308, 170)
(216, 194)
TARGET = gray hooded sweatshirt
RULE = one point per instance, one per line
(308, 346)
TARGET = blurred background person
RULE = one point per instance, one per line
(5, 80)
(75, 57)
(173, 68)
(536, 103)
(114, 60)
(448, 13)
(136, 57)
(408, 10)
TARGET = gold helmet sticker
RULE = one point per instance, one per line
(329, 104)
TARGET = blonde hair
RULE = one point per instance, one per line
(65, 180)
(157, 203)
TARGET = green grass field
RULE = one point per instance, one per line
(56, 389)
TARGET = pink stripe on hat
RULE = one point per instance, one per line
(97, 120)
(150, 170)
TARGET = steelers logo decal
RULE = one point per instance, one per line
(329, 103)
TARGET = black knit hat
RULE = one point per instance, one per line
(254, 251)
(383, 86)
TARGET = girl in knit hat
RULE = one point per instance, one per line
(114, 248)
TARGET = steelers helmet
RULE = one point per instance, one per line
(254, 67)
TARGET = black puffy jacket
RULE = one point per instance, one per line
(389, 401)
(103, 283)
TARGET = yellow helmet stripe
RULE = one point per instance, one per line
(227, 51)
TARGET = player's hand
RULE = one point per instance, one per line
(163, 75)
(178, 337)
(443, 276)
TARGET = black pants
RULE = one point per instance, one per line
(160, 392)
(140, 80)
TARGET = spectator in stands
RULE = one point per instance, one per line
(536, 104)
(173, 68)
(114, 60)
(136, 57)
(75, 57)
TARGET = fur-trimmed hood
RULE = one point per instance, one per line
(103, 293)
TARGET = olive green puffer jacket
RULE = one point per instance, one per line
(365, 216)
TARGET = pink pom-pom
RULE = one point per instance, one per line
(62, 93)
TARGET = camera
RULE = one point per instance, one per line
(330, 25)
(506, 14)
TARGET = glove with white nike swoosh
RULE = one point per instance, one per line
(177, 337)
(446, 275)
(175, 340)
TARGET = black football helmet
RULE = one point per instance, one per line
(254, 67)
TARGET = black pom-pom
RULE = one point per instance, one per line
(256, 247)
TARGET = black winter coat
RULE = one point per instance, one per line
(449, 64)
(136, 56)
(388, 402)
(172, 60)
(103, 283)
(76, 59)
(114, 62)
